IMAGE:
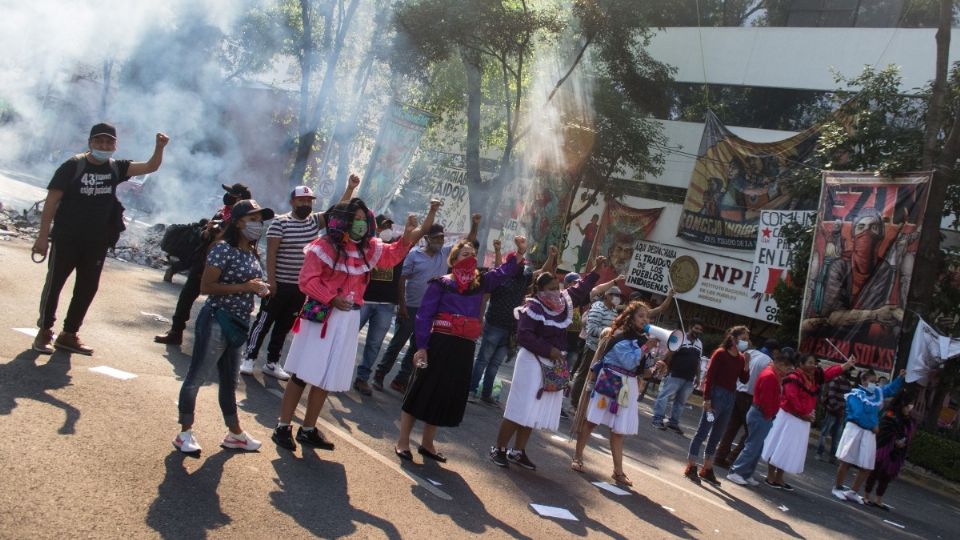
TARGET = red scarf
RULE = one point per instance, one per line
(464, 272)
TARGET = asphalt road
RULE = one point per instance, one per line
(88, 455)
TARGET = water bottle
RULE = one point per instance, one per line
(350, 298)
(710, 416)
(497, 388)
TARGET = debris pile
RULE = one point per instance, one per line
(19, 223)
(140, 244)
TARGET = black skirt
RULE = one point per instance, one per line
(437, 394)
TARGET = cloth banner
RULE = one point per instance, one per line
(399, 137)
(861, 263)
(773, 258)
(619, 230)
(734, 179)
(928, 351)
(545, 216)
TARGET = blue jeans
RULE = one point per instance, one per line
(403, 331)
(494, 347)
(722, 403)
(379, 317)
(672, 388)
(832, 426)
(757, 429)
(211, 349)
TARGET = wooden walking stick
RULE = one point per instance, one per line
(584, 401)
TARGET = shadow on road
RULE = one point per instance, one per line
(187, 505)
(752, 512)
(314, 493)
(21, 378)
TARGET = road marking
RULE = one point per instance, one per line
(373, 453)
(554, 512)
(114, 372)
(611, 488)
(783, 508)
(894, 523)
(668, 509)
(32, 332)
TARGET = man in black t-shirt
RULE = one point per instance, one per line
(682, 367)
(83, 209)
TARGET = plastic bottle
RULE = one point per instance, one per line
(350, 298)
(710, 417)
(497, 388)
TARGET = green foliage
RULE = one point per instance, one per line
(936, 454)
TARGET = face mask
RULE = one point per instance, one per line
(302, 211)
(252, 230)
(742, 345)
(615, 301)
(872, 387)
(464, 273)
(386, 235)
(435, 245)
(101, 155)
(358, 230)
(552, 299)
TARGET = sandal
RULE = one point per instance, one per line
(438, 456)
(403, 454)
(577, 465)
(622, 479)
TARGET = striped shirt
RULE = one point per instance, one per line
(294, 235)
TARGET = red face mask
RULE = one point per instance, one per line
(464, 272)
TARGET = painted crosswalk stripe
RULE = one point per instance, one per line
(114, 372)
(32, 332)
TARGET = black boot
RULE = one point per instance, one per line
(172, 337)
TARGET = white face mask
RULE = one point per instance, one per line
(872, 387)
(386, 235)
(742, 345)
(252, 230)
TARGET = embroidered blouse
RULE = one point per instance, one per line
(539, 329)
(324, 276)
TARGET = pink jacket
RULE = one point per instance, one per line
(324, 276)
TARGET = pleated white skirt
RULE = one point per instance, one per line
(786, 445)
(326, 362)
(627, 419)
(523, 407)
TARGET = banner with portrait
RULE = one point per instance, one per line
(734, 180)
(618, 230)
(861, 262)
(399, 137)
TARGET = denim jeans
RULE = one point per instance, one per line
(672, 388)
(402, 332)
(494, 347)
(757, 429)
(722, 403)
(832, 426)
(211, 349)
(379, 316)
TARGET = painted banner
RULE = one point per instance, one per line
(773, 258)
(546, 214)
(399, 137)
(734, 179)
(701, 278)
(616, 237)
(861, 264)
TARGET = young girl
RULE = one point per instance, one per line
(618, 410)
(230, 280)
(896, 431)
(334, 277)
(542, 339)
(447, 328)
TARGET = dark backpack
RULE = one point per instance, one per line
(182, 240)
(116, 224)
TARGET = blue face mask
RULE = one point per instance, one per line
(101, 155)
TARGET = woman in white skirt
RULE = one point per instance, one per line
(785, 448)
(613, 401)
(542, 337)
(334, 277)
(858, 444)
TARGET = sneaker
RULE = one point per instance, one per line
(274, 370)
(170, 338)
(691, 473)
(490, 401)
(71, 342)
(240, 442)
(499, 456)
(659, 425)
(519, 457)
(773, 485)
(283, 436)
(737, 479)
(398, 386)
(853, 496)
(786, 487)
(752, 482)
(707, 474)
(675, 428)
(42, 342)
(839, 493)
(187, 443)
(246, 367)
(313, 437)
(362, 387)
(377, 383)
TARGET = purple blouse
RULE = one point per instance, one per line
(442, 297)
(540, 330)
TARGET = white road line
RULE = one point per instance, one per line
(32, 332)
(390, 464)
(114, 372)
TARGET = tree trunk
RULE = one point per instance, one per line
(472, 67)
(306, 72)
(938, 93)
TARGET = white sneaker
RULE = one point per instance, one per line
(274, 370)
(853, 496)
(736, 479)
(752, 482)
(246, 367)
(839, 493)
(241, 442)
(187, 443)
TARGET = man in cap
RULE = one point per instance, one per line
(601, 315)
(86, 216)
(420, 266)
(287, 236)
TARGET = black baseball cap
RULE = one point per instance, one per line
(238, 189)
(383, 221)
(247, 207)
(103, 129)
(435, 229)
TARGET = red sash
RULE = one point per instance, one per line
(457, 325)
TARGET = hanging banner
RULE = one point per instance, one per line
(860, 265)
(546, 213)
(399, 137)
(773, 257)
(734, 180)
(616, 238)
(928, 351)
(701, 278)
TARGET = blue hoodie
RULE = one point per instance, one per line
(863, 407)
